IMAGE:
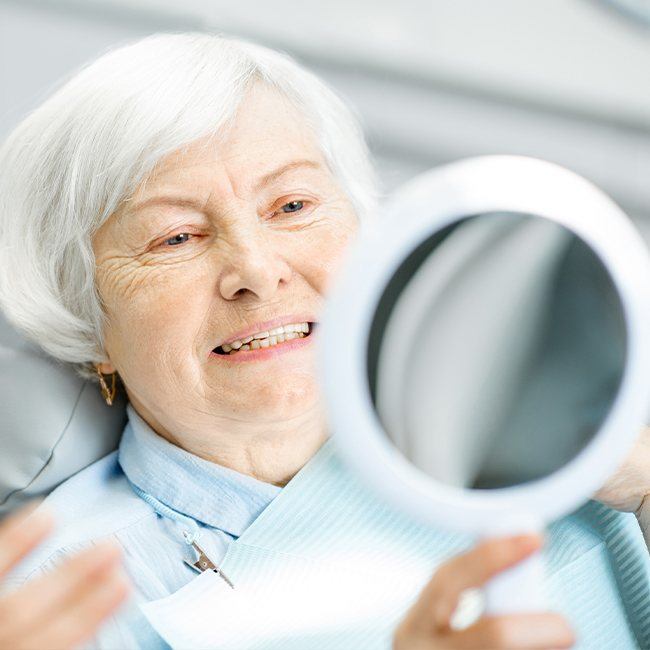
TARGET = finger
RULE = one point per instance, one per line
(20, 533)
(46, 596)
(516, 632)
(440, 596)
(79, 621)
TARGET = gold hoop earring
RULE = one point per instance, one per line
(108, 395)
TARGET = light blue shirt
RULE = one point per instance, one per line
(149, 496)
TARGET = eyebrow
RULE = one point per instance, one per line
(261, 183)
(267, 179)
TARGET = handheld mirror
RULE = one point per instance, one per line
(491, 332)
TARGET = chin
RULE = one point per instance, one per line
(276, 401)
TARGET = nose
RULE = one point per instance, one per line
(254, 265)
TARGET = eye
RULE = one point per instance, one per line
(177, 239)
(293, 206)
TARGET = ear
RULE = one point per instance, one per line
(106, 368)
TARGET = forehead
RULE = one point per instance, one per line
(266, 132)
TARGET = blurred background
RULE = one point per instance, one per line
(433, 80)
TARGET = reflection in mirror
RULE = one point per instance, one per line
(496, 351)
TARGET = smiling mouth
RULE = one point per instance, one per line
(268, 339)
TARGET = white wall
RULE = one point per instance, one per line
(434, 80)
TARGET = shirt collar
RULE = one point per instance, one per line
(207, 492)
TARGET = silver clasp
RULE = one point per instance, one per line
(204, 563)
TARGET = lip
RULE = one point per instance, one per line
(263, 354)
(269, 324)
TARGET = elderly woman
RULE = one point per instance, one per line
(174, 215)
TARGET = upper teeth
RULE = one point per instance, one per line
(271, 337)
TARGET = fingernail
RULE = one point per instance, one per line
(39, 516)
(107, 551)
(528, 541)
(120, 581)
(113, 584)
(440, 617)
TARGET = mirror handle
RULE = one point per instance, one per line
(520, 588)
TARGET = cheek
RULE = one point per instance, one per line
(153, 324)
(320, 255)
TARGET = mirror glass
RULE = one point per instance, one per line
(496, 351)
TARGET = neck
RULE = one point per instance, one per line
(273, 453)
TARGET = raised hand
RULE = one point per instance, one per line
(427, 625)
(65, 607)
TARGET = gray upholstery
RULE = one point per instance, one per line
(52, 422)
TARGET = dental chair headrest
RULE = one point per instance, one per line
(53, 423)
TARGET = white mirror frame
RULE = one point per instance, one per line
(423, 206)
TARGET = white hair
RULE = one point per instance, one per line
(72, 162)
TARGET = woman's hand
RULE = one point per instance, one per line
(427, 625)
(65, 607)
(630, 485)
(629, 488)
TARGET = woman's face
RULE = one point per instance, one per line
(220, 241)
